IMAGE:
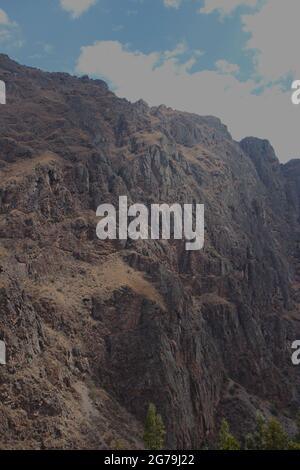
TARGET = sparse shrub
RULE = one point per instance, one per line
(120, 444)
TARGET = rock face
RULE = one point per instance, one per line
(95, 330)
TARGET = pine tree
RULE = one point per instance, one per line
(255, 440)
(275, 438)
(226, 440)
(150, 428)
(160, 432)
(259, 434)
(154, 434)
(250, 442)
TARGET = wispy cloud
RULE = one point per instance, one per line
(226, 67)
(172, 3)
(225, 7)
(77, 7)
(4, 19)
(9, 31)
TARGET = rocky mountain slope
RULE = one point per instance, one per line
(95, 330)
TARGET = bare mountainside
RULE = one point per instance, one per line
(95, 330)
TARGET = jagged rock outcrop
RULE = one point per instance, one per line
(95, 330)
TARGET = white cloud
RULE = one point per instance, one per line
(226, 67)
(77, 7)
(9, 31)
(4, 20)
(275, 37)
(160, 78)
(172, 3)
(48, 48)
(225, 7)
(275, 54)
(181, 48)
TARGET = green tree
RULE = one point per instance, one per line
(154, 433)
(250, 442)
(260, 432)
(274, 436)
(226, 440)
(293, 445)
(255, 441)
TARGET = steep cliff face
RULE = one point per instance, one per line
(95, 330)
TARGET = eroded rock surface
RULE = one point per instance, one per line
(97, 330)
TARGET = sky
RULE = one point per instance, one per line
(235, 59)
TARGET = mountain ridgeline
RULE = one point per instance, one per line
(96, 330)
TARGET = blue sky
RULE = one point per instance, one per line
(145, 25)
(205, 56)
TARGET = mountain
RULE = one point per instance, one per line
(96, 330)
